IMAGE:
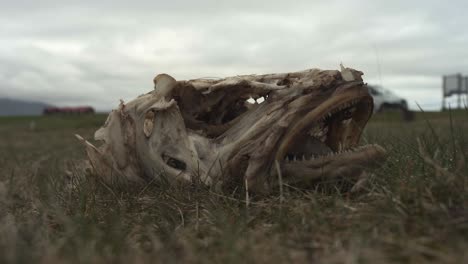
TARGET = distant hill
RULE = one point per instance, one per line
(13, 107)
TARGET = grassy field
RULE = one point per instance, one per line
(412, 210)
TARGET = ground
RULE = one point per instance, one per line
(414, 209)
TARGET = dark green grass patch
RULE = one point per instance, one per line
(414, 209)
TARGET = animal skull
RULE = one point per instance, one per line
(310, 123)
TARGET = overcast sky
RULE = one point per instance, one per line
(96, 52)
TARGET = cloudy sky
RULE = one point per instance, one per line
(96, 52)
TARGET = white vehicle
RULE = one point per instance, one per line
(386, 100)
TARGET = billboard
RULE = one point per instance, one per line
(454, 84)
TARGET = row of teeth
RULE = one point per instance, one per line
(320, 132)
(340, 108)
(304, 158)
(331, 154)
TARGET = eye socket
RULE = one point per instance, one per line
(174, 163)
(148, 123)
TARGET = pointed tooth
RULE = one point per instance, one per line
(303, 157)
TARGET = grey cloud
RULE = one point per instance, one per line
(96, 52)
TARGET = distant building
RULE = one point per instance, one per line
(80, 110)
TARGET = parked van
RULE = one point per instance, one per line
(385, 100)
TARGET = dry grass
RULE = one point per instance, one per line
(414, 209)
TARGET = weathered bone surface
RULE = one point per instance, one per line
(310, 122)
